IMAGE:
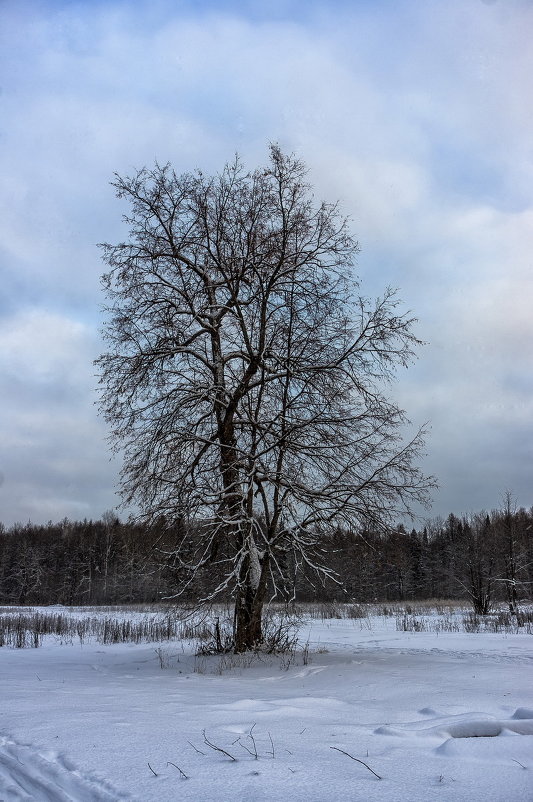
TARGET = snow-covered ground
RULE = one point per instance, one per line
(436, 716)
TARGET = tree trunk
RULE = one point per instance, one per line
(248, 620)
(248, 617)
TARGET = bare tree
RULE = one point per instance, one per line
(244, 376)
(511, 525)
(476, 552)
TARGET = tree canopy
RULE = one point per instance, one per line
(245, 375)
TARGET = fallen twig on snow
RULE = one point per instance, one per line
(356, 760)
(195, 749)
(217, 748)
(170, 763)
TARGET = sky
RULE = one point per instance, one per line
(416, 116)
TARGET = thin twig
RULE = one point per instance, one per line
(195, 749)
(217, 748)
(170, 763)
(356, 760)
(153, 772)
(520, 764)
(250, 735)
(243, 746)
(272, 745)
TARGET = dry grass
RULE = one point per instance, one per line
(212, 631)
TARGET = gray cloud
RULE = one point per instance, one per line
(53, 457)
(415, 115)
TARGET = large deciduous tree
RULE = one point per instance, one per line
(244, 374)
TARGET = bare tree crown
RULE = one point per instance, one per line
(244, 377)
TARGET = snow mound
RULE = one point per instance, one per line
(466, 725)
(489, 729)
(523, 712)
(28, 774)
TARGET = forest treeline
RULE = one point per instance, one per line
(482, 558)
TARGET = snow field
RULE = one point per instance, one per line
(438, 716)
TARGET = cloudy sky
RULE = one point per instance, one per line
(417, 116)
